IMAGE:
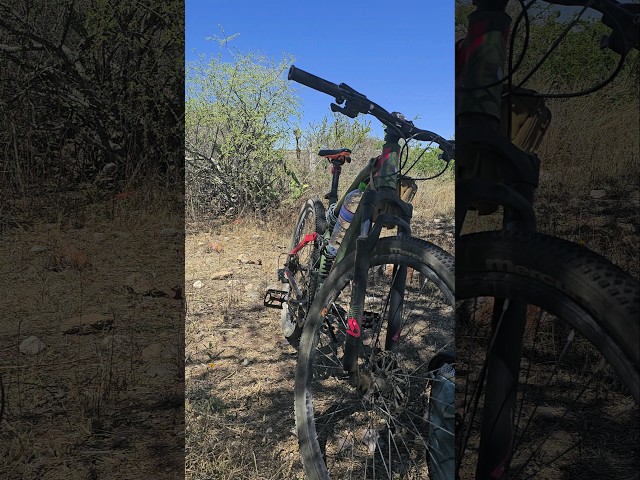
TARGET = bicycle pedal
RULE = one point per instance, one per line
(275, 298)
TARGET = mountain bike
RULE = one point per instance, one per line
(547, 332)
(368, 317)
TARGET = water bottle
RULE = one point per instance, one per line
(345, 218)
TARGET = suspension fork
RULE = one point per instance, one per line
(365, 244)
(486, 47)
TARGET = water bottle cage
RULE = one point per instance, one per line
(331, 216)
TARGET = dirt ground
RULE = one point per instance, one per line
(239, 368)
(91, 340)
(106, 401)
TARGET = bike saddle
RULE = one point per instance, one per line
(340, 152)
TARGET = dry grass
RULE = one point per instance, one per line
(89, 406)
(239, 369)
(239, 372)
(592, 144)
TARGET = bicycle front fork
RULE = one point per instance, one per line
(364, 246)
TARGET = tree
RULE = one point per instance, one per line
(88, 83)
(236, 128)
(336, 131)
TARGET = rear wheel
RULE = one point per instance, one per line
(304, 269)
(382, 432)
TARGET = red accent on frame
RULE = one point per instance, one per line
(476, 35)
(354, 328)
(310, 237)
(500, 472)
(383, 158)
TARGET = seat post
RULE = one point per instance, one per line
(336, 169)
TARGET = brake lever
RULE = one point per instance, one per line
(346, 110)
(352, 91)
(447, 152)
(621, 41)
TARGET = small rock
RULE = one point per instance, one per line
(159, 371)
(38, 249)
(598, 193)
(138, 282)
(171, 232)
(109, 168)
(249, 286)
(99, 237)
(197, 284)
(152, 351)
(86, 324)
(437, 220)
(600, 221)
(222, 274)
(246, 362)
(32, 346)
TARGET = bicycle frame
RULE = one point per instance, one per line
(361, 237)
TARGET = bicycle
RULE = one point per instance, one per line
(547, 331)
(366, 317)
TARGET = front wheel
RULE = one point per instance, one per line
(574, 412)
(382, 432)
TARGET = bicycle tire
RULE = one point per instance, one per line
(582, 306)
(315, 377)
(304, 267)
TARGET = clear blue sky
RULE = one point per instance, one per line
(399, 55)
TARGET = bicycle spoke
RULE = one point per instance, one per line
(558, 382)
(380, 432)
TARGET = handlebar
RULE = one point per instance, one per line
(355, 103)
(317, 83)
(623, 18)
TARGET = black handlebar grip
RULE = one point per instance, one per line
(317, 83)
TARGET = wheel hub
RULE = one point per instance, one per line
(389, 381)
